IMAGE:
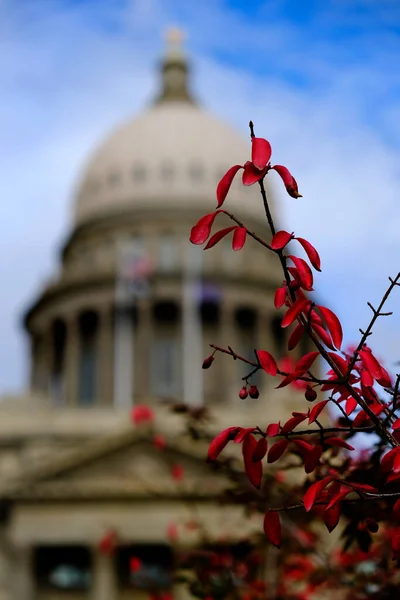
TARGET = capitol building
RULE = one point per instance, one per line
(127, 321)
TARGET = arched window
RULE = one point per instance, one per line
(155, 566)
(196, 172)
(63, 568)
(88, 329)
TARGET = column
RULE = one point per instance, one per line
(144, 339)
(123, 357)
(192, 330)
(104, 582)
(72, 359)
(105, 362)
(23, 585)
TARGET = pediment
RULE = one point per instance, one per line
(120, 466)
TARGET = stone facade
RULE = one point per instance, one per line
(127, 321)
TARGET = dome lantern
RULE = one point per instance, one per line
(175, 70)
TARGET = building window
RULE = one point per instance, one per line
(88, 325)
(153, 569)
(279, 336)
(139, 173)
(196, 172)
(63, 568)
(164, 367)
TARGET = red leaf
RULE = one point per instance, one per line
(339, 497)
(289, 379)
(296, 336)
(225, 184)
(288, 180)
(304, 271)
(331, 517)
(239, 238)
(338, 442)
(267, 362)
(304, 447)
(361, 419)
(202, 229)
(311, 252)
(316, 410)
(306, 361)
(292, 423)
(323, 335)
(220, 441)
(366, 378)
(384, 380)
(241, 434)
(396, 509)
(396, 424)
(280, 296)
(340, 362)
(253, 469)
(351, 405)
(260, 450)
(260, 152)
(388, 459)
(280, 239)
(273, 429)
(251, 174)
(312, 459)
(294, 311)
(217, 237)
(370, 363)
(276, 451)
(272, 528)
(314, 490)
(396, 463)
(333, 324)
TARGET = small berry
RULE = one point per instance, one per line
(310, 394)
(207, 362)
(243, 393)
(253, 391)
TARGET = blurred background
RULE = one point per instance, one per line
(118, 119)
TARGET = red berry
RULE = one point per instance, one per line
(253, 391)
(243, 393)
(310, 394)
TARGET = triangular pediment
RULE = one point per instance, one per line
(118, 466)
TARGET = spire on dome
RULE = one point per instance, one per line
(174, 69)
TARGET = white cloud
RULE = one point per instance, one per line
(73, 77)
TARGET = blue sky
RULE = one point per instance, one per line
(320, 79)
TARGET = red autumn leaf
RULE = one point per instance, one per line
(280, 296)
(306, 361)
(288, 180)
(313, 492)
(251, 174)
(316, 410)
(276, 451)
(312, 459)
(304, 447)
(366, 378)
(135, 564)
(304, 271)
(239, 437)
(272, 527)
(384, 380)
(225, 184)
(200, 232)
(289, 379)
(396, 509)
(311, 252)
(333, 324)
(396, 463)
(388, 459)
(323, 335)
(362, 419)
(331, 517)
(252, 469)
(260, 450)
(220, 441)
(280, 239)
(364, 487)
(292, 423)
(338, 442)
(396, 424)
(260, 152)
(294, 311)
(267, 362)
(273, 429)
(340, 362)
(339, 497)
(239, 238)
(351, 405)
(141, 413)
(370, 363)
(296, 336)
(217, 237)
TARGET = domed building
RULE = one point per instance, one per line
(127, 322)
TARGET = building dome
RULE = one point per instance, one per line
(172, 154)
